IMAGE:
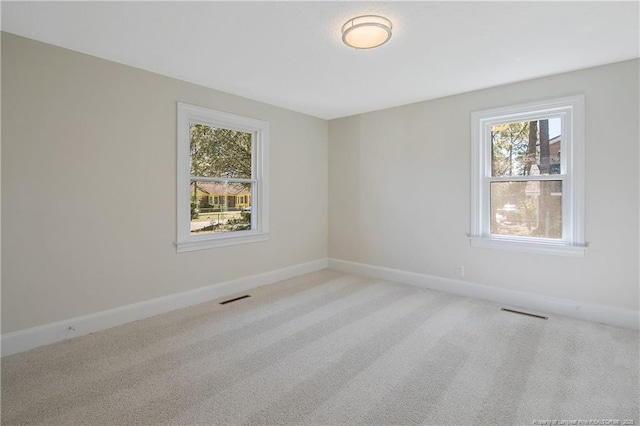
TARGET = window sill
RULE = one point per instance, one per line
(538, 246)
(206, 242)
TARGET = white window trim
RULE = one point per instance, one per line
(572, 171)
(259, 174)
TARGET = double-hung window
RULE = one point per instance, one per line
(222, 178)
(528, 177)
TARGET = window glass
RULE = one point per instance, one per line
(231, 213)
(219, 152)
(527, 209)
(524, 148)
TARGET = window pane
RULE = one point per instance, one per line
(527, 209)
(220, 207)
(526, 148)
(218, 152)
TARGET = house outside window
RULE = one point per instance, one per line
(221, 178)
(528, 177)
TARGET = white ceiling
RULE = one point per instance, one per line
(290, 54)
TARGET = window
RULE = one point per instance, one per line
(222, 179)
(528, 177)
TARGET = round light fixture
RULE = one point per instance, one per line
(366, 32)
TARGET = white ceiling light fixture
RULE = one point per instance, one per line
(366, 32)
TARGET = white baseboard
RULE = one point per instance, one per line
(23, 340)
(571, 308)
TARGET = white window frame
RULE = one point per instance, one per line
(259, 178)
(571, 110)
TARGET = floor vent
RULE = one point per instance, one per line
(524, 313)
(234, 300)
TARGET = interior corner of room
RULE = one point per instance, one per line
(89, 200)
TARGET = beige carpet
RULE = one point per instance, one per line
(330, 348)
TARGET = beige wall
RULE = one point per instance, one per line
(89, 187)
(399, 187)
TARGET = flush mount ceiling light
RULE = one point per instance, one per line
(366, 32)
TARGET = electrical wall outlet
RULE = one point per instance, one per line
(460, 270)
